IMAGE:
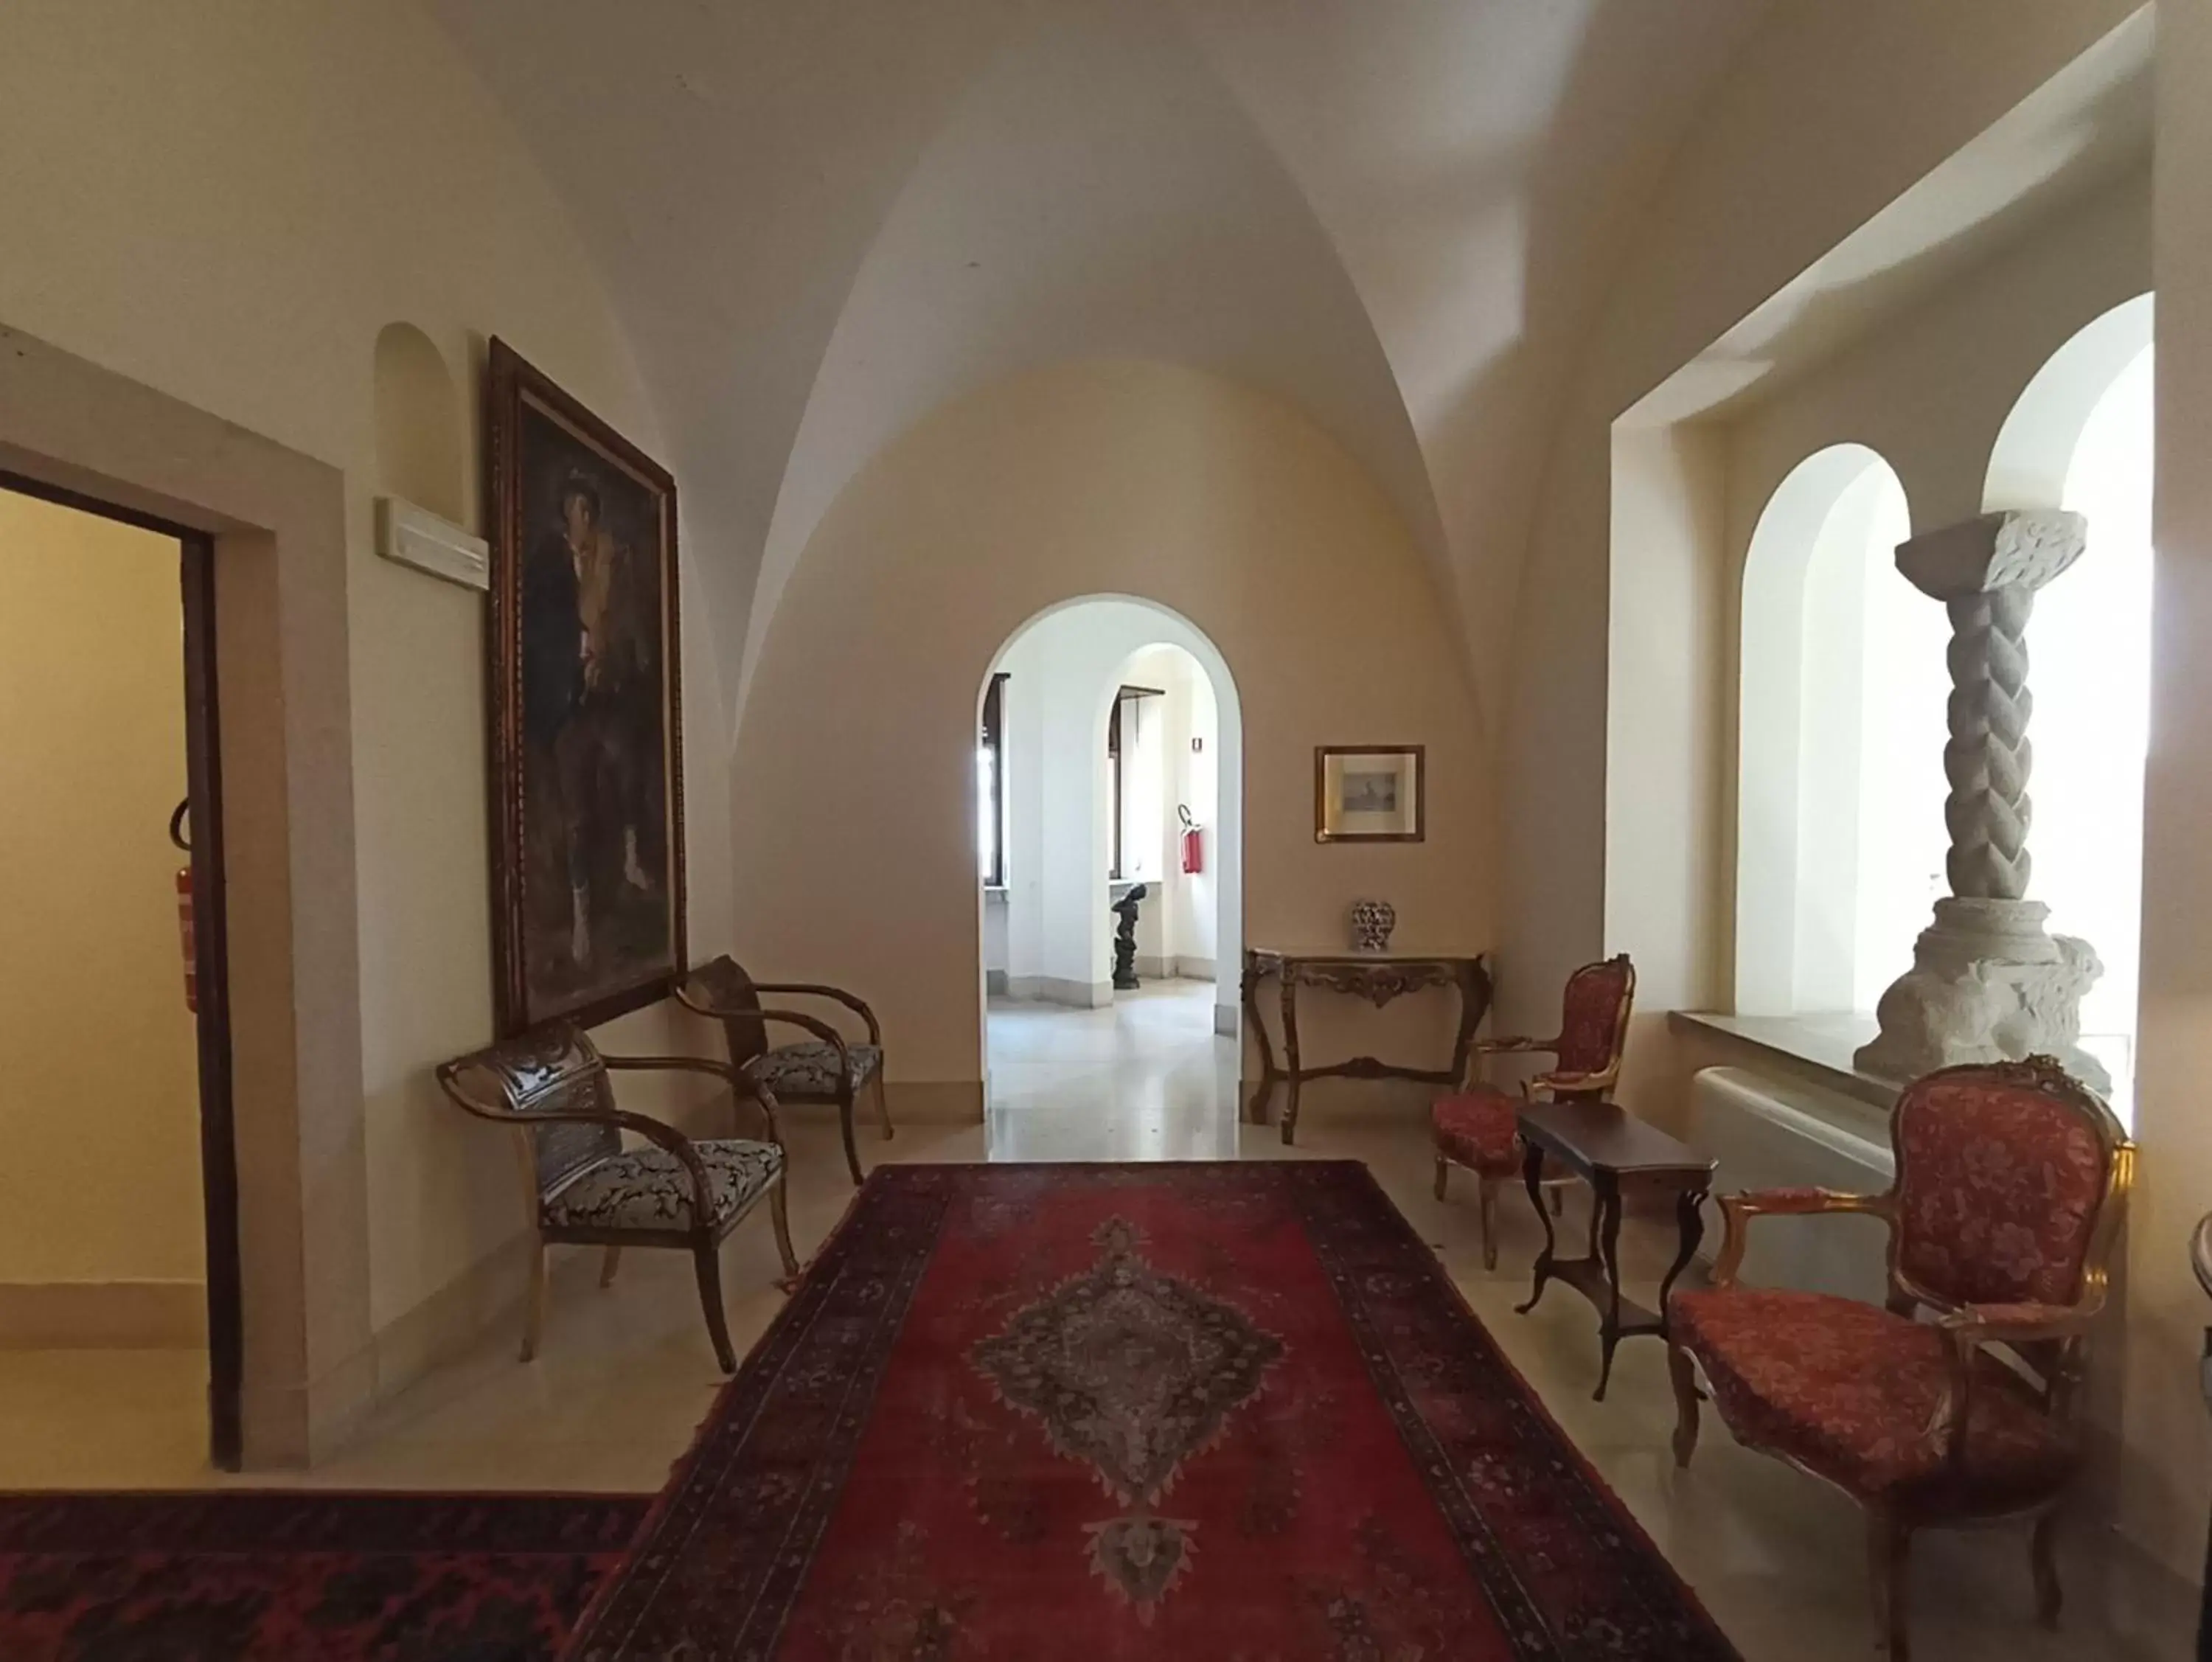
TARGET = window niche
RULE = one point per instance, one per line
(419, 454)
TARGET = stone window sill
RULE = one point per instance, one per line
(1814, 1047)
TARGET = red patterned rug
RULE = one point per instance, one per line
(1231, 1411)
(231, 1576)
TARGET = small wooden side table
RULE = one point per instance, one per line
(1615, 1152)
(1378, 978)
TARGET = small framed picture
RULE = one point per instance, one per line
(1369, 794)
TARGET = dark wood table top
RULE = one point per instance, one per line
(1604, 1136)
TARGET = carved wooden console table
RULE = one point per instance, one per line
(1378, 978)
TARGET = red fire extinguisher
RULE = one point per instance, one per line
(1193, 843)
(184, 911)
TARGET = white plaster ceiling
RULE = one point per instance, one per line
(820, 220)
(2087, 127)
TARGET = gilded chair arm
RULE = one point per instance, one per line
(741, 1083)
(2018, 1324)
(1738, 1210)
(1560, 1082)
(1498, 1047)
(851, 1002)
(1967, 1329)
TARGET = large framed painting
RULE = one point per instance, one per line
(587, 750)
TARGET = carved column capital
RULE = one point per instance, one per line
(2015, 549)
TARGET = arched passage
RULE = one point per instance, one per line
(1047, 923)
(1839, 830)
(2080, 437)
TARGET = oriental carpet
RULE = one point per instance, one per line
(1224, 1412)
(225, 1575)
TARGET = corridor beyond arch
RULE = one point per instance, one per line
(1047, 922)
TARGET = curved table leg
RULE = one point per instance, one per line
(1256, 1109)
(1290, 1054)
(1690, 1225)
(1608, 1212)
(1532, 1178)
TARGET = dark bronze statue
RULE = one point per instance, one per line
(1124, 939)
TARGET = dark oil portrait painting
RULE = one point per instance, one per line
(588, 846)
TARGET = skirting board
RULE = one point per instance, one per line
(994, 983)
(913, 1101)
(103, 1315)
(932, 1102)
(1152, 967)
(452, 1319)
(1054, 989)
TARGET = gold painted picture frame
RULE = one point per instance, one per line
(1371, 793)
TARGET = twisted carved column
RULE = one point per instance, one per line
(1988, 756)
(1987, 980)
(1986, 571)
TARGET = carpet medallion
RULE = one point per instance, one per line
(229, 1576)
(1218, 1410)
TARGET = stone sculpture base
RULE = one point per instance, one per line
(1987, 983)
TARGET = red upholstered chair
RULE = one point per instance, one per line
(1479, 1128)
(2010, 1180)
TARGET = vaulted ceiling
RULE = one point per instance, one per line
(821, 220)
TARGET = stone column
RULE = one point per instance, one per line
(1988, 983)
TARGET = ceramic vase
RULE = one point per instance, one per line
(1371, 923)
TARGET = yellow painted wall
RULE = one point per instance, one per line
(99, 1100)
(230, 201)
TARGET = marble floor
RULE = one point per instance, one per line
(627, 1374)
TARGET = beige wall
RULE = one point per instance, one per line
(1832, 112)
(101, 1078)
(2166, 1482)
(1828, 113)
(230, 202)
(1665, 882)
(1096, 477)
(1929, 390)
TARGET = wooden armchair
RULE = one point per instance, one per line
(1479, 1129)
(826, 1068)
(549, 1086)
(2010, 1182)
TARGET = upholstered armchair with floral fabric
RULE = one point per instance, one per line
(2010, 1181)
(581, 1186)
(1479, 1129)
(828, 1068)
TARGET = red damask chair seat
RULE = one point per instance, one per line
(1848, 1392)
(1479, 1127)
(1479, 1130)
(1955, 1402)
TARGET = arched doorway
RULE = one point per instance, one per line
(1102, 722)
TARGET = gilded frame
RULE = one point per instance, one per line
(1334, 824)
(530, 422)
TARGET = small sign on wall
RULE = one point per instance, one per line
(409, 535)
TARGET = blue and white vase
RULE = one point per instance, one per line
(1371, 923)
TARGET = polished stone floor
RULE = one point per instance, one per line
(627, 1374)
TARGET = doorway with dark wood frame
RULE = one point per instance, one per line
(211, 963)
